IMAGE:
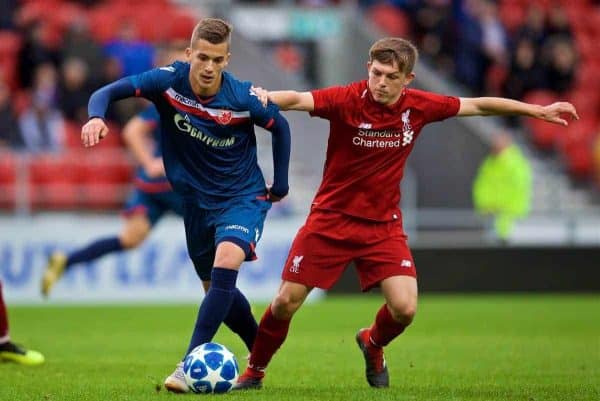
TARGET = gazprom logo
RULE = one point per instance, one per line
(184, 125)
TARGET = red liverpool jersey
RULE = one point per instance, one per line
(368, 146)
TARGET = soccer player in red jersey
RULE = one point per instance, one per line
(355, 215)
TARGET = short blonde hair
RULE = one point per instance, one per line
(395, 50)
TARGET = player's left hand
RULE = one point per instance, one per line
(553, 113)
(271, 197)
(262, 94)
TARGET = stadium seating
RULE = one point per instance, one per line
(8, 179)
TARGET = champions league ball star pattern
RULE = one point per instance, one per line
(210, 368)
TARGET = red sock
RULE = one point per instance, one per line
(385, 328)
(3, 319)
(271, 334)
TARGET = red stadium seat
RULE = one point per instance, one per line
(55, 196)
(10, 43)
(21, 101)
(8, 180)
(578, 133)
(103, 196)
(8, 72)
(181, 25)
(73, 135)
(103, 23)
(105, 167)
(389, 19)
(543, 134)
(580, 163)
(512, 15)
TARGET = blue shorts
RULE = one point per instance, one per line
(240, 223)
(153, 205)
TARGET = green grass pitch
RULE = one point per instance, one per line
(479, 347)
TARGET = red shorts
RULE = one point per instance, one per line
(329, 241)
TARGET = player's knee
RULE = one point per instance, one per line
(284, 306)
(403, 311)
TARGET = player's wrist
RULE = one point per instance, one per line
(279, 191)
(98, 117)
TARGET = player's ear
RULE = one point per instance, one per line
(227, 58)
(369, 64)
(409, 78)
(188, 53)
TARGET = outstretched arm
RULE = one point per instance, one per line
(95, 129)
(292, 100)
(497, 106)
(136, 135)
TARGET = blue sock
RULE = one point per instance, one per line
(215, 306)
(240, 319)
(95, 250)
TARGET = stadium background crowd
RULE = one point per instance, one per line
(54, 53)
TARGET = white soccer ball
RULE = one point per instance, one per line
(210, 368)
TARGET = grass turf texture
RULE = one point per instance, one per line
(480, 347)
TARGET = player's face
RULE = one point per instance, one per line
(207, 61)
(386, 81)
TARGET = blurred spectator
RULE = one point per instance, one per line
(10, 134)
(75, 90)
(502, 186)
(432, 28)
(561, 64)
(534, 27)
(134, 56)
(126, 55)
(525, 72)
(558, 23)
(34, 52)
(7, 11)
(79, 44)
(42, 125)
(494, 37)
(480, 42)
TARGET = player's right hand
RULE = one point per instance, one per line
(93, 131)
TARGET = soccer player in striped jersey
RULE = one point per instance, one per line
(355, 215)
(151, 198)
(209, 151)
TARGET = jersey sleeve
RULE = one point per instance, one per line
(262, 116)
(439, 107)
(327, 101)
(153, 82)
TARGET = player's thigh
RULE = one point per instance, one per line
(147, 204)
(200, 239)
(387, 258)
(170, 201)
(315, 260)
(241, 223)
(229, 255)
